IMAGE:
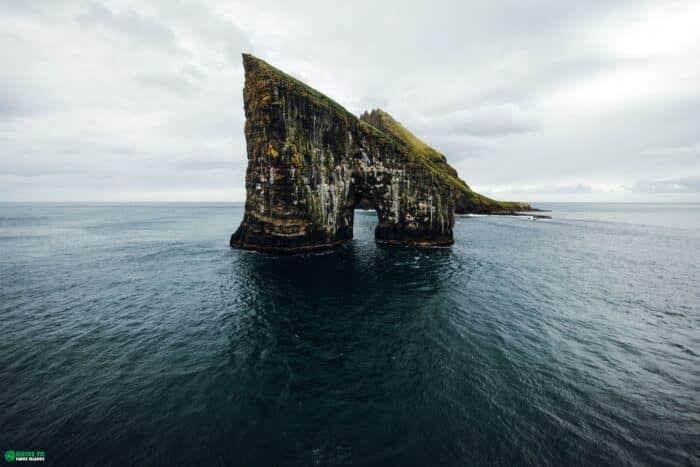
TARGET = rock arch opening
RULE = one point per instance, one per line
(360, 199)
(310, 162)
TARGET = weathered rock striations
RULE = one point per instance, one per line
(310, 162)
(466, 200)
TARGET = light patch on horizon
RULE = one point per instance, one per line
(667, 190)
(132, 101)
(690, 149)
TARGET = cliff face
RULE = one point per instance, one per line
(310, 162)
(466, 200)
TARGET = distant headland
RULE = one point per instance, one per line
(311, 163)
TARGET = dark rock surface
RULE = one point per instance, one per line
(310, 162)
(467, 201)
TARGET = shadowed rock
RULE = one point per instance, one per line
(310, 162)
(466, 200)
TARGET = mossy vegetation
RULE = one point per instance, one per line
(309, 158)
(298, 86)
(437, 162)
(383, 127)
(386, 123)
(271, 151)
(264, 72)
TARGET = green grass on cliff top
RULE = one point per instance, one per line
(397, 130)
(392, 131)
(300, 87)
(315, 95)
(436, 160)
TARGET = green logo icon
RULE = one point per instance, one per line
(9, 456)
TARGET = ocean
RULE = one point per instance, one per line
(132, 334)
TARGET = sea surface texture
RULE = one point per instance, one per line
(132, 334)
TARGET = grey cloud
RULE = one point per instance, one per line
(458, 147)
(12, 106)
(170, 83)
(527, 83)
(464, 53)
(145, 30)
(553, 189)
(677, 185)
(193, 73)
(205, 25)
(203, 163)
(146, 96)
(20, 7)
(27, 168)
(684, 149)
(468, 134)
(86, 148)
(557, 189)
(485, 121)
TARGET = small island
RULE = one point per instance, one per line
(311, 163)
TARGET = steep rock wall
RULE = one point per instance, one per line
(310, 161)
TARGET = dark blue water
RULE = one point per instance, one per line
(132, 334)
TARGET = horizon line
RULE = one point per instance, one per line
(243, 201)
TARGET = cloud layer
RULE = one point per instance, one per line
(541, 100)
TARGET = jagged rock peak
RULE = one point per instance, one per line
(310, 162)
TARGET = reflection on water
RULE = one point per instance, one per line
(133, 334)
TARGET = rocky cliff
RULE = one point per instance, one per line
(466, 200)
(310, 162)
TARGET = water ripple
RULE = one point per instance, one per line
(135, 335)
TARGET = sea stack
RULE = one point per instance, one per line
(310, 162)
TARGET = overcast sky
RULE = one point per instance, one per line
(534, 101)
